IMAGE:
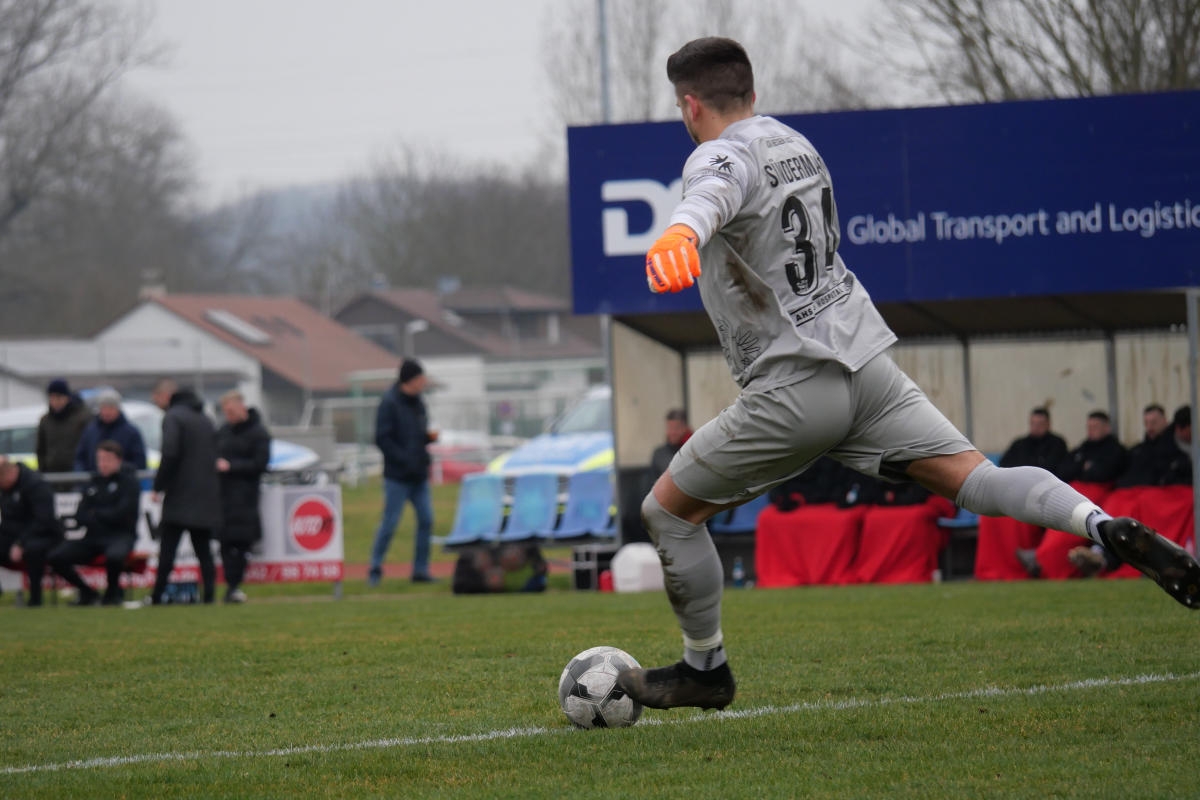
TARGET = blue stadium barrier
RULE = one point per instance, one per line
(534, 507)
(962, 519)
(588, 513)
(480, 510)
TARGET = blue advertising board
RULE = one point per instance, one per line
(1052, 197)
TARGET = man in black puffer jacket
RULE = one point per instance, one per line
(402, 435)
(109, 511)
(243, 452)
(29, 529)
(187, 481)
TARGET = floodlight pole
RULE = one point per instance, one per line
(606, 118)
(602, 41)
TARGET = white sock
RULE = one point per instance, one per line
(704, 660)
(1032, 495)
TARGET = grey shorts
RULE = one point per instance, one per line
(875, 420)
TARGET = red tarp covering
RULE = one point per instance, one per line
(997, 545)
(811, 544)
(1052, 552)
(824, 544)
(1166, 509)
(900, 544)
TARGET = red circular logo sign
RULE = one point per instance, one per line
(312, 523)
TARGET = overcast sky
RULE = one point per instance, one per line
(278, 92)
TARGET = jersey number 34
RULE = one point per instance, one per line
(801, 271)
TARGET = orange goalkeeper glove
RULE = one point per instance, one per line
(673, 263)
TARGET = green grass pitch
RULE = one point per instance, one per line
(1033, 689)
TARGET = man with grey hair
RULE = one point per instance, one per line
(243, 452)
(110, 424)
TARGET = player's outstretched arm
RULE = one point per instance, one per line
(673, 262)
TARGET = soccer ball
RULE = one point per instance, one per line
(588, 693)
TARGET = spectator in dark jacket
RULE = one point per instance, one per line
(243, 452)
(402, 435)
(109, 511)
(1179, 468)
(1149, 462)
(1158, 460)
(1100, 458)
(1040, 448)
(29, 528)
(110, 425)
(676, 432)
(187, 482)
(60, 427)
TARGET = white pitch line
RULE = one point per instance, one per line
(521, 733)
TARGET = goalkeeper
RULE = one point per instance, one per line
(807, 347)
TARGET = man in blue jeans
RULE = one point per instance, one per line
(402, 435)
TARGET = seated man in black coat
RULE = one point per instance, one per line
(109, 511)
(1100, 458)
(1162, 458)
(29, 528)
(1179, 468)
(1040, 448)
(1150, 460)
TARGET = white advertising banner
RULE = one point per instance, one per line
(302, 538)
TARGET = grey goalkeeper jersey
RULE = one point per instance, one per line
(778, 293)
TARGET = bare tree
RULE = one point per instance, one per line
(119, 207)
(800, 62)
(420, 217)
(236, 242)
(57, 57)
(977, 50)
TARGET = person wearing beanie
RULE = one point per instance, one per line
(60, 428)
(409, 369)
(402, 435)
(110, 424)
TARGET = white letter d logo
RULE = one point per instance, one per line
(618, 239)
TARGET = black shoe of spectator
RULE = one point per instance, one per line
(113, 598)
(423, 579)
(1028, 559)
(89, 597)
(1089, 562)
(1160, 559)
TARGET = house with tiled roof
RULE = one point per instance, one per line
(500, 324)
(278, 351)
(531, 354)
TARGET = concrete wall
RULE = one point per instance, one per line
(15, 393)
(647, 381)
(1151, 368)
(1008, 378)
(937, 367)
